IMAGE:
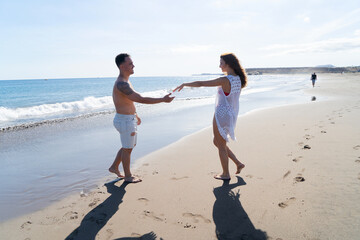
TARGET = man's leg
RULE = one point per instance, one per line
(115, 166)
(125, 157)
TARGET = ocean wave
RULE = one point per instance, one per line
(40, 111)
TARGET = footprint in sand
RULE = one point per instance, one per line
(286, 174)
(306, 147)
(308, 137)
(135, 235)
(153, 216)
(297, 159)
(70, 215)
(94, 202)
(299, 178)
(196, 217)
(145, 200)
(357, 147)
(249, 176)
(179, 178)
(109, 233)
(286, 203)
(25, 224)
(323, 131)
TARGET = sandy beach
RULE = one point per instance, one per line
(301, 181)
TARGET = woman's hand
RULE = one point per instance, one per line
(179, 88)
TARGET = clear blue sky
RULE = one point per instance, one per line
(55, 39)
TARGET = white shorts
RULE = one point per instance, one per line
(127, 127)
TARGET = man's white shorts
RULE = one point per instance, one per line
(127, 127)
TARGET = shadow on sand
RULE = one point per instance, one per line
(148, 236)
(97, 218)
(230, 218)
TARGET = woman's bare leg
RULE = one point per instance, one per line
(231, 155)
(223, 154)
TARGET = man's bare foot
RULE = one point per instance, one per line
(117, 172)
(239, 166)
(132, 179)
(222, 177)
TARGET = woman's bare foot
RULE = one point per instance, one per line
(239, 166)
(117, 172)
(132, 179)
(222, 177)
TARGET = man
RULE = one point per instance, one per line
(126, 118)
(313, 79)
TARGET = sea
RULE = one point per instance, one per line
(57, 138)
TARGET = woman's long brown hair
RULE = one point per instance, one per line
(231, 60)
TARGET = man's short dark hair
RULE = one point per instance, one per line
(121, 58)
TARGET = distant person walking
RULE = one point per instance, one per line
(126, 118)
(313, 79)
(226, 108)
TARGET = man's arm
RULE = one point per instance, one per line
(125, 88)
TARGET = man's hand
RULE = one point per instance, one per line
(138, 119)
(167, 98)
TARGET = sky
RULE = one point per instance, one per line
(74, 39)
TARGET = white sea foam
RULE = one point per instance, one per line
(40, 111)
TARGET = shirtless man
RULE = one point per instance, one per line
(126, 118)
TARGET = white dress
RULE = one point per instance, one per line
(227, 108)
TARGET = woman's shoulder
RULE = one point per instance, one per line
(233, 77)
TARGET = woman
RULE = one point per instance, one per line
(226, 109)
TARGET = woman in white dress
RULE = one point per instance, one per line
(226, 108)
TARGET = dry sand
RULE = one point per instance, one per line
(301, 181)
